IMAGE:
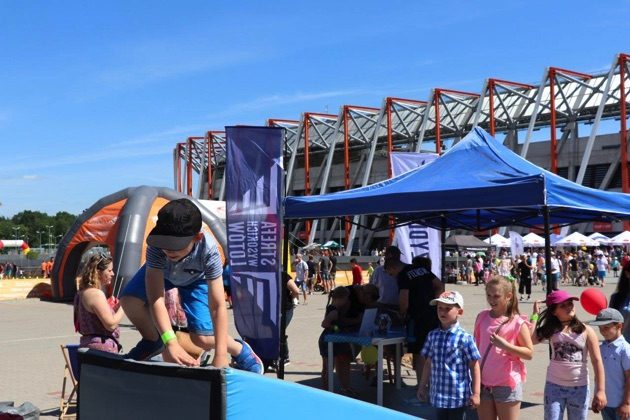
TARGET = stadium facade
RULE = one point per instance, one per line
(571, 123)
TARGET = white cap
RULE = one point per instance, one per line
(451, 297)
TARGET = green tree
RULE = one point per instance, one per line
(35, 227)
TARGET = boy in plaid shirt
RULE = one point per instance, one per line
(452, 361)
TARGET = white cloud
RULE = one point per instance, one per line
(280, 99)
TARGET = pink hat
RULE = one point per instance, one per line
(559, 296)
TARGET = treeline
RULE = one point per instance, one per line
(36, 228)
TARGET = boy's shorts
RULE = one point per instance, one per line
(193, 298)
(502, 394)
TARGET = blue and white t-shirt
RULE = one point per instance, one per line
(203, 263)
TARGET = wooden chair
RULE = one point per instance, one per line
(70, 375)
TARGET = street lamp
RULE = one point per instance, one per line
(16, 231)
(39, 232)
(49, 234)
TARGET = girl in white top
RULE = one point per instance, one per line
(567, 374)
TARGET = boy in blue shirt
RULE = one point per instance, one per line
(616, 356)
(452, 362)
(180, 255)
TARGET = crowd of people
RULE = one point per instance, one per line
(183, 317)
(576, 268)
(10, 270)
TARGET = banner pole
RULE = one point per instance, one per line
(283, 293)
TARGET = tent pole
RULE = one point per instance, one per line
(443, 239)
(283, 292)
(547, 249)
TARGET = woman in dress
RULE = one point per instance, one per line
(95, 317)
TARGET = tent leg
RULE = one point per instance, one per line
(547, 249)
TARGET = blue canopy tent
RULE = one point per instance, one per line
(478, 184)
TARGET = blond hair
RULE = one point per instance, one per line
(89, 275)
(508, 287)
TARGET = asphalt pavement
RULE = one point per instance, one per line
(31, 364)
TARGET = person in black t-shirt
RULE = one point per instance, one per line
(418, 286)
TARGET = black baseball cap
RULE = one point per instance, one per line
(177, 224)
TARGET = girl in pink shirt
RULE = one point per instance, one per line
(503, 338)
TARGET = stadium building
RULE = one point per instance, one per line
(571, 123)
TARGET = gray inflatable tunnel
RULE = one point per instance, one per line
(121, 221)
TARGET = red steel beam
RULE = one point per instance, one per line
(389, 104)
(623, 134)
(210, 153)
(210, 141)
(189, 166)
(178, 164)
(346, 162)
(272, 121)
(307, 164)
(411, 101)
(553, 140)
(623, 131)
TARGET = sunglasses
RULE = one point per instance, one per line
(102, 257)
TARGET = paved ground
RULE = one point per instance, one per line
(31, 365)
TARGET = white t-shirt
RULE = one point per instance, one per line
(602, 263)
(387, 286)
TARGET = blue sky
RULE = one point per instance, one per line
(95, 95)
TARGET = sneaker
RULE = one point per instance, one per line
(145, 349)
(248, 360)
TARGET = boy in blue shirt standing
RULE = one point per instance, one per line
(452, 362)
(616, 356)
(180, 255)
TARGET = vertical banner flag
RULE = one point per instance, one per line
(415, 239)
(516, 244)
(254, 188)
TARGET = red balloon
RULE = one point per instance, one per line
(593, 300)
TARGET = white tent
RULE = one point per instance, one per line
(498, 241)
(602, 239)
(531, 240)
(555, 238)
(577, 239)
(622, 239)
